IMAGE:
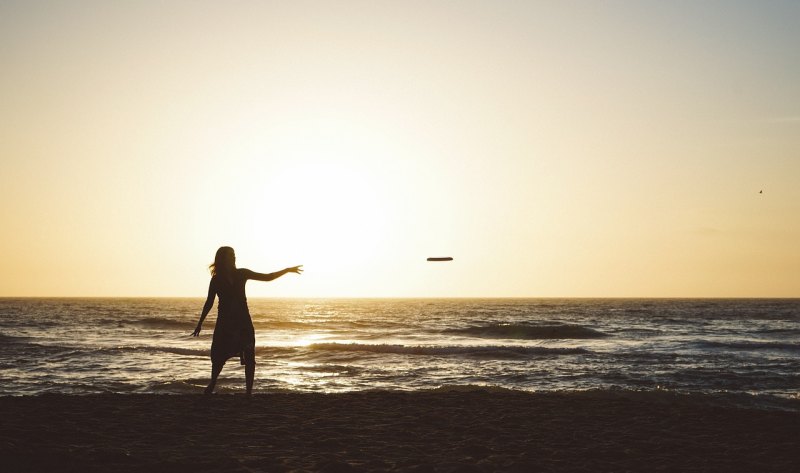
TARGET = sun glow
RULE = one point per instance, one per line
(328, 215)
(332, 195)
(306, 340)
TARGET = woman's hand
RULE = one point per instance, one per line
(294, 269)
(197, 330)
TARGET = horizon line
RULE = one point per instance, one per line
(409, 297)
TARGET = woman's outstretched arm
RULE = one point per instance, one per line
(206, 308)
(275, 275)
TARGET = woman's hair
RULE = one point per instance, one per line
(221, 260)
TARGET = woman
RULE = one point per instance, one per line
(234, 334)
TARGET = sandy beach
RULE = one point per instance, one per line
(395, 431)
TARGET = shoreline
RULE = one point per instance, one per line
(439, 430)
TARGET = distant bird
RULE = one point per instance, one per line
(761, 192)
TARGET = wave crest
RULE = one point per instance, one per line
(751, 345)
(500, 352)
(159, 323)
(528, 332)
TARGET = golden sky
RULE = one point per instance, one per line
(577, 148)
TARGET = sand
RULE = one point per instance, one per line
(394, 431)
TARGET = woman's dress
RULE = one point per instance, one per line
(234, 334)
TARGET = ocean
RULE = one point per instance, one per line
(143, 345)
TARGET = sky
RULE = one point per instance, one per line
(553, 149)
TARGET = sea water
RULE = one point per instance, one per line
(145, 345)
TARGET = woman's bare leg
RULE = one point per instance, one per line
(216, 368)
(249, 357)
(249, 375)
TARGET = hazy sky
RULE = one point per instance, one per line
(556, 148)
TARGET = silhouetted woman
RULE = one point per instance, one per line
(234, 334)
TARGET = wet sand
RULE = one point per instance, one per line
(395, 431)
